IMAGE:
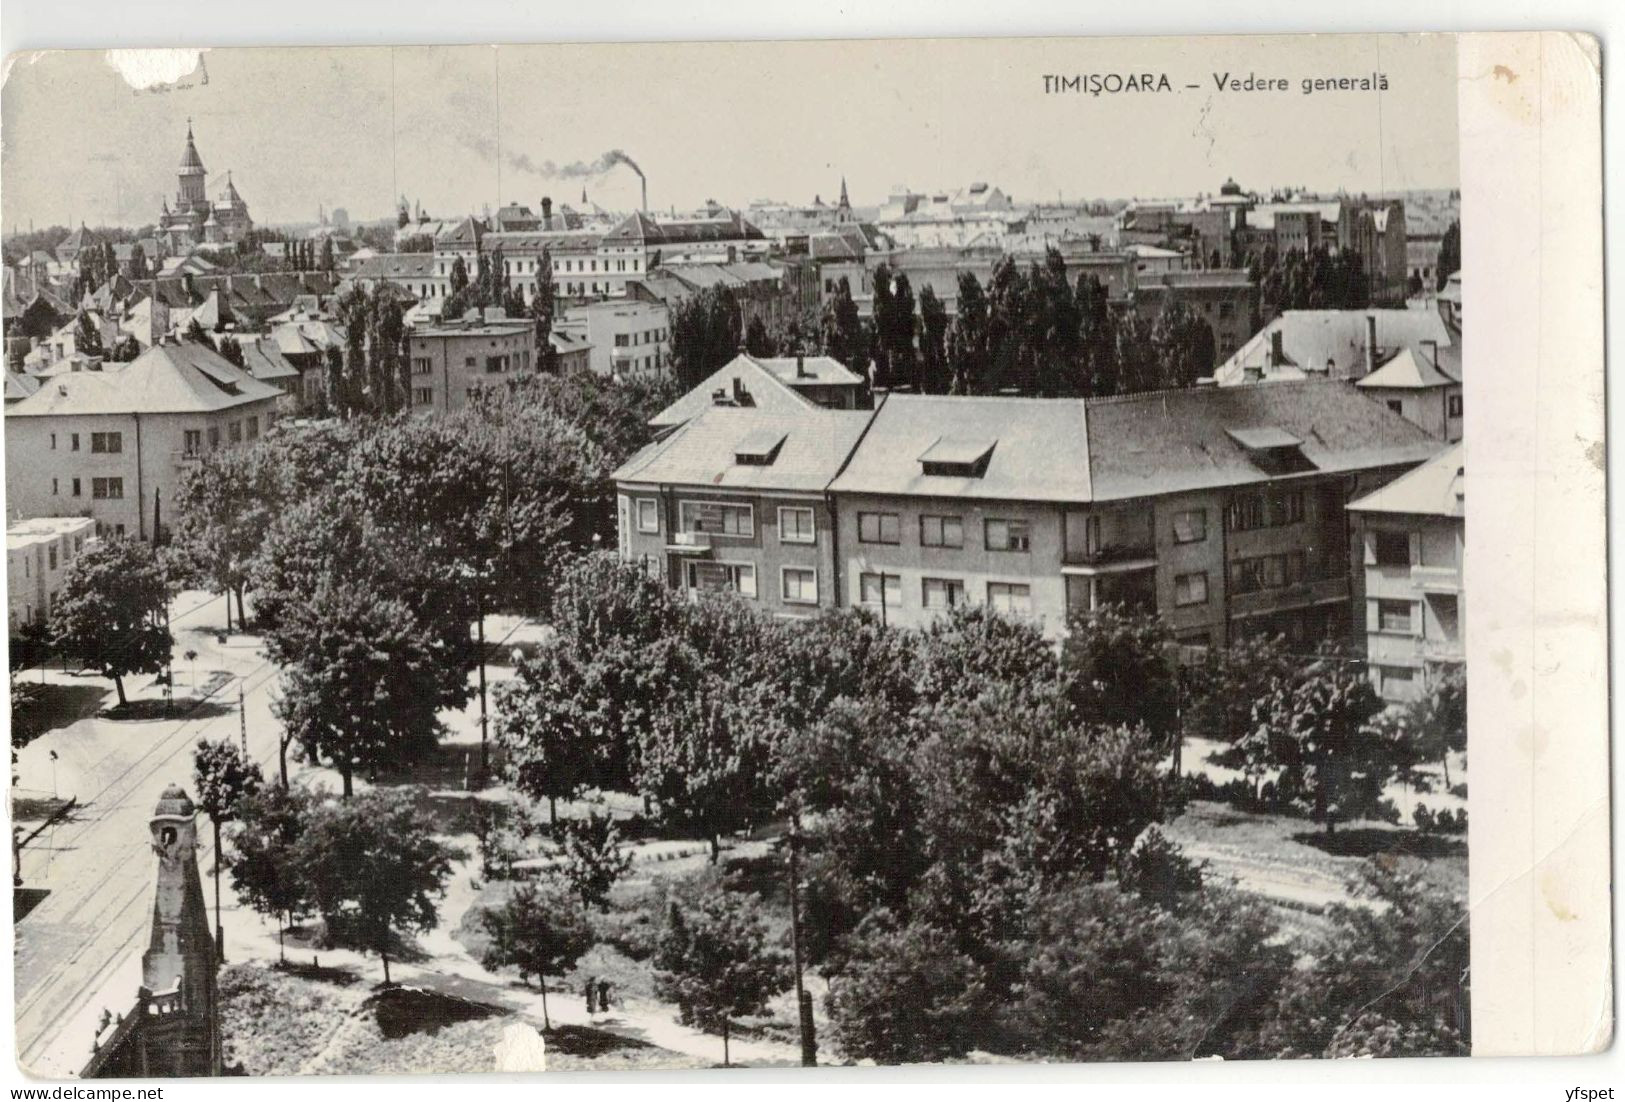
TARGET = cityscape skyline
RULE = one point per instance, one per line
(402, 116)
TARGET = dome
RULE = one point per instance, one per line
(190, 161)
(174, 804)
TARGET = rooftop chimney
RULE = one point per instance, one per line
(1277, 356)
(1370, 343)
(547, 212)
(719, 396)
(801, 366)
(739, 391)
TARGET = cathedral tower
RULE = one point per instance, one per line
(190, 196)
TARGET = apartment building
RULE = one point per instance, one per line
(1223, 510)
(113, 445)
(38, 552)
(734, 499)
(626, 337)
(1411, 536)
(455, 361)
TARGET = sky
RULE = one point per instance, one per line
(456, 128)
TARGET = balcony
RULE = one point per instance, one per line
(1437, 579)
(187, 457)
(689, 543)
(1442, 650)
(1298, 595)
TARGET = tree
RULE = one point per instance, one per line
(87, 336)
(224, 778)
(375, 868)
(1183, 344)
(843, 330)
(139, 269)
(1439, 716)
(125, 350)
(538, 931)
(1315, 728)
(459, 277)
(714, 962)
(329, 261)
(1119, 670)
(265, 873)
(757, 342)
(225, 505)
(1449, 262)
(705, 334)
(968, 344)
(593, 858)
(1221, 689)
(355, 691)
(337, 387)
(196, 334)
(907, 994)
(231, 351)
(546, 725)
(935, 377)
(541, 312)
(1097, 338)
(110, 613)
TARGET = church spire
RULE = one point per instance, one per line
(844, 201)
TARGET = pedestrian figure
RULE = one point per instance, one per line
(603, 996)
(590, 991)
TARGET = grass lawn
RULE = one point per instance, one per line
(1293, 863)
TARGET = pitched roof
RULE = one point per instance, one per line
(263, 359)
(19, 386)
(1211, 437)
(179, 377)
(762, 388)
(394, 266)
(638, 226)
(1108, 449)
(813, 370)
(1039, 451)
(806, 448)
(1407, 370)
(1311, 338)
(1437, 488)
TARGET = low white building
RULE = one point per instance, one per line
(38, 552)
(627, 337)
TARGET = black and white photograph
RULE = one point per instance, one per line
(637, 557)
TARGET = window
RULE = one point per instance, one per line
(1190, 589)
(1009, 597)
(111, 489)
(740, 578)
(422, 395)
(254, 428)
(1394, 616)
(1453, 405)
(1397, 406)
(234, 432)
(73, 440)
(470, 361)
(620, 340)
(1266, 572)
(879, 528)
(799, 585)
(51, 554)
(1266, 510)
(106, 442)
(716, 517)
(76, 488)
(1392, 548)
(881, 590)
(422, 365)
(942, 592)
(796, 525)
(648, 515)
(1190, 526)
(53, 441)
(54, 489)
(214, 438)
(937, 531)
(1008, 535)
(1394, 681)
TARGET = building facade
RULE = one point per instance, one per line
(453, 363)
(38, 551)
(1412, 537)
(625, 339)
(113, 445)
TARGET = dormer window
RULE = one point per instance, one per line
(958, 457)
(759, 449)
(1272, 450)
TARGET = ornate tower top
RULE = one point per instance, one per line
(191, 163)
(844, 201)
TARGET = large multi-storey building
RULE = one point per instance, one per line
(1411, 535)
(735, 500)
(625, 338)
(453, 363)
(113, 444)
(1221, 509)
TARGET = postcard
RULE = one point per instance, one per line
(540, 558)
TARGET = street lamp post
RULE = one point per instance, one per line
(809, 1041)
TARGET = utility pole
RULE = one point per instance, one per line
(242, 717)
(809, 1041)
